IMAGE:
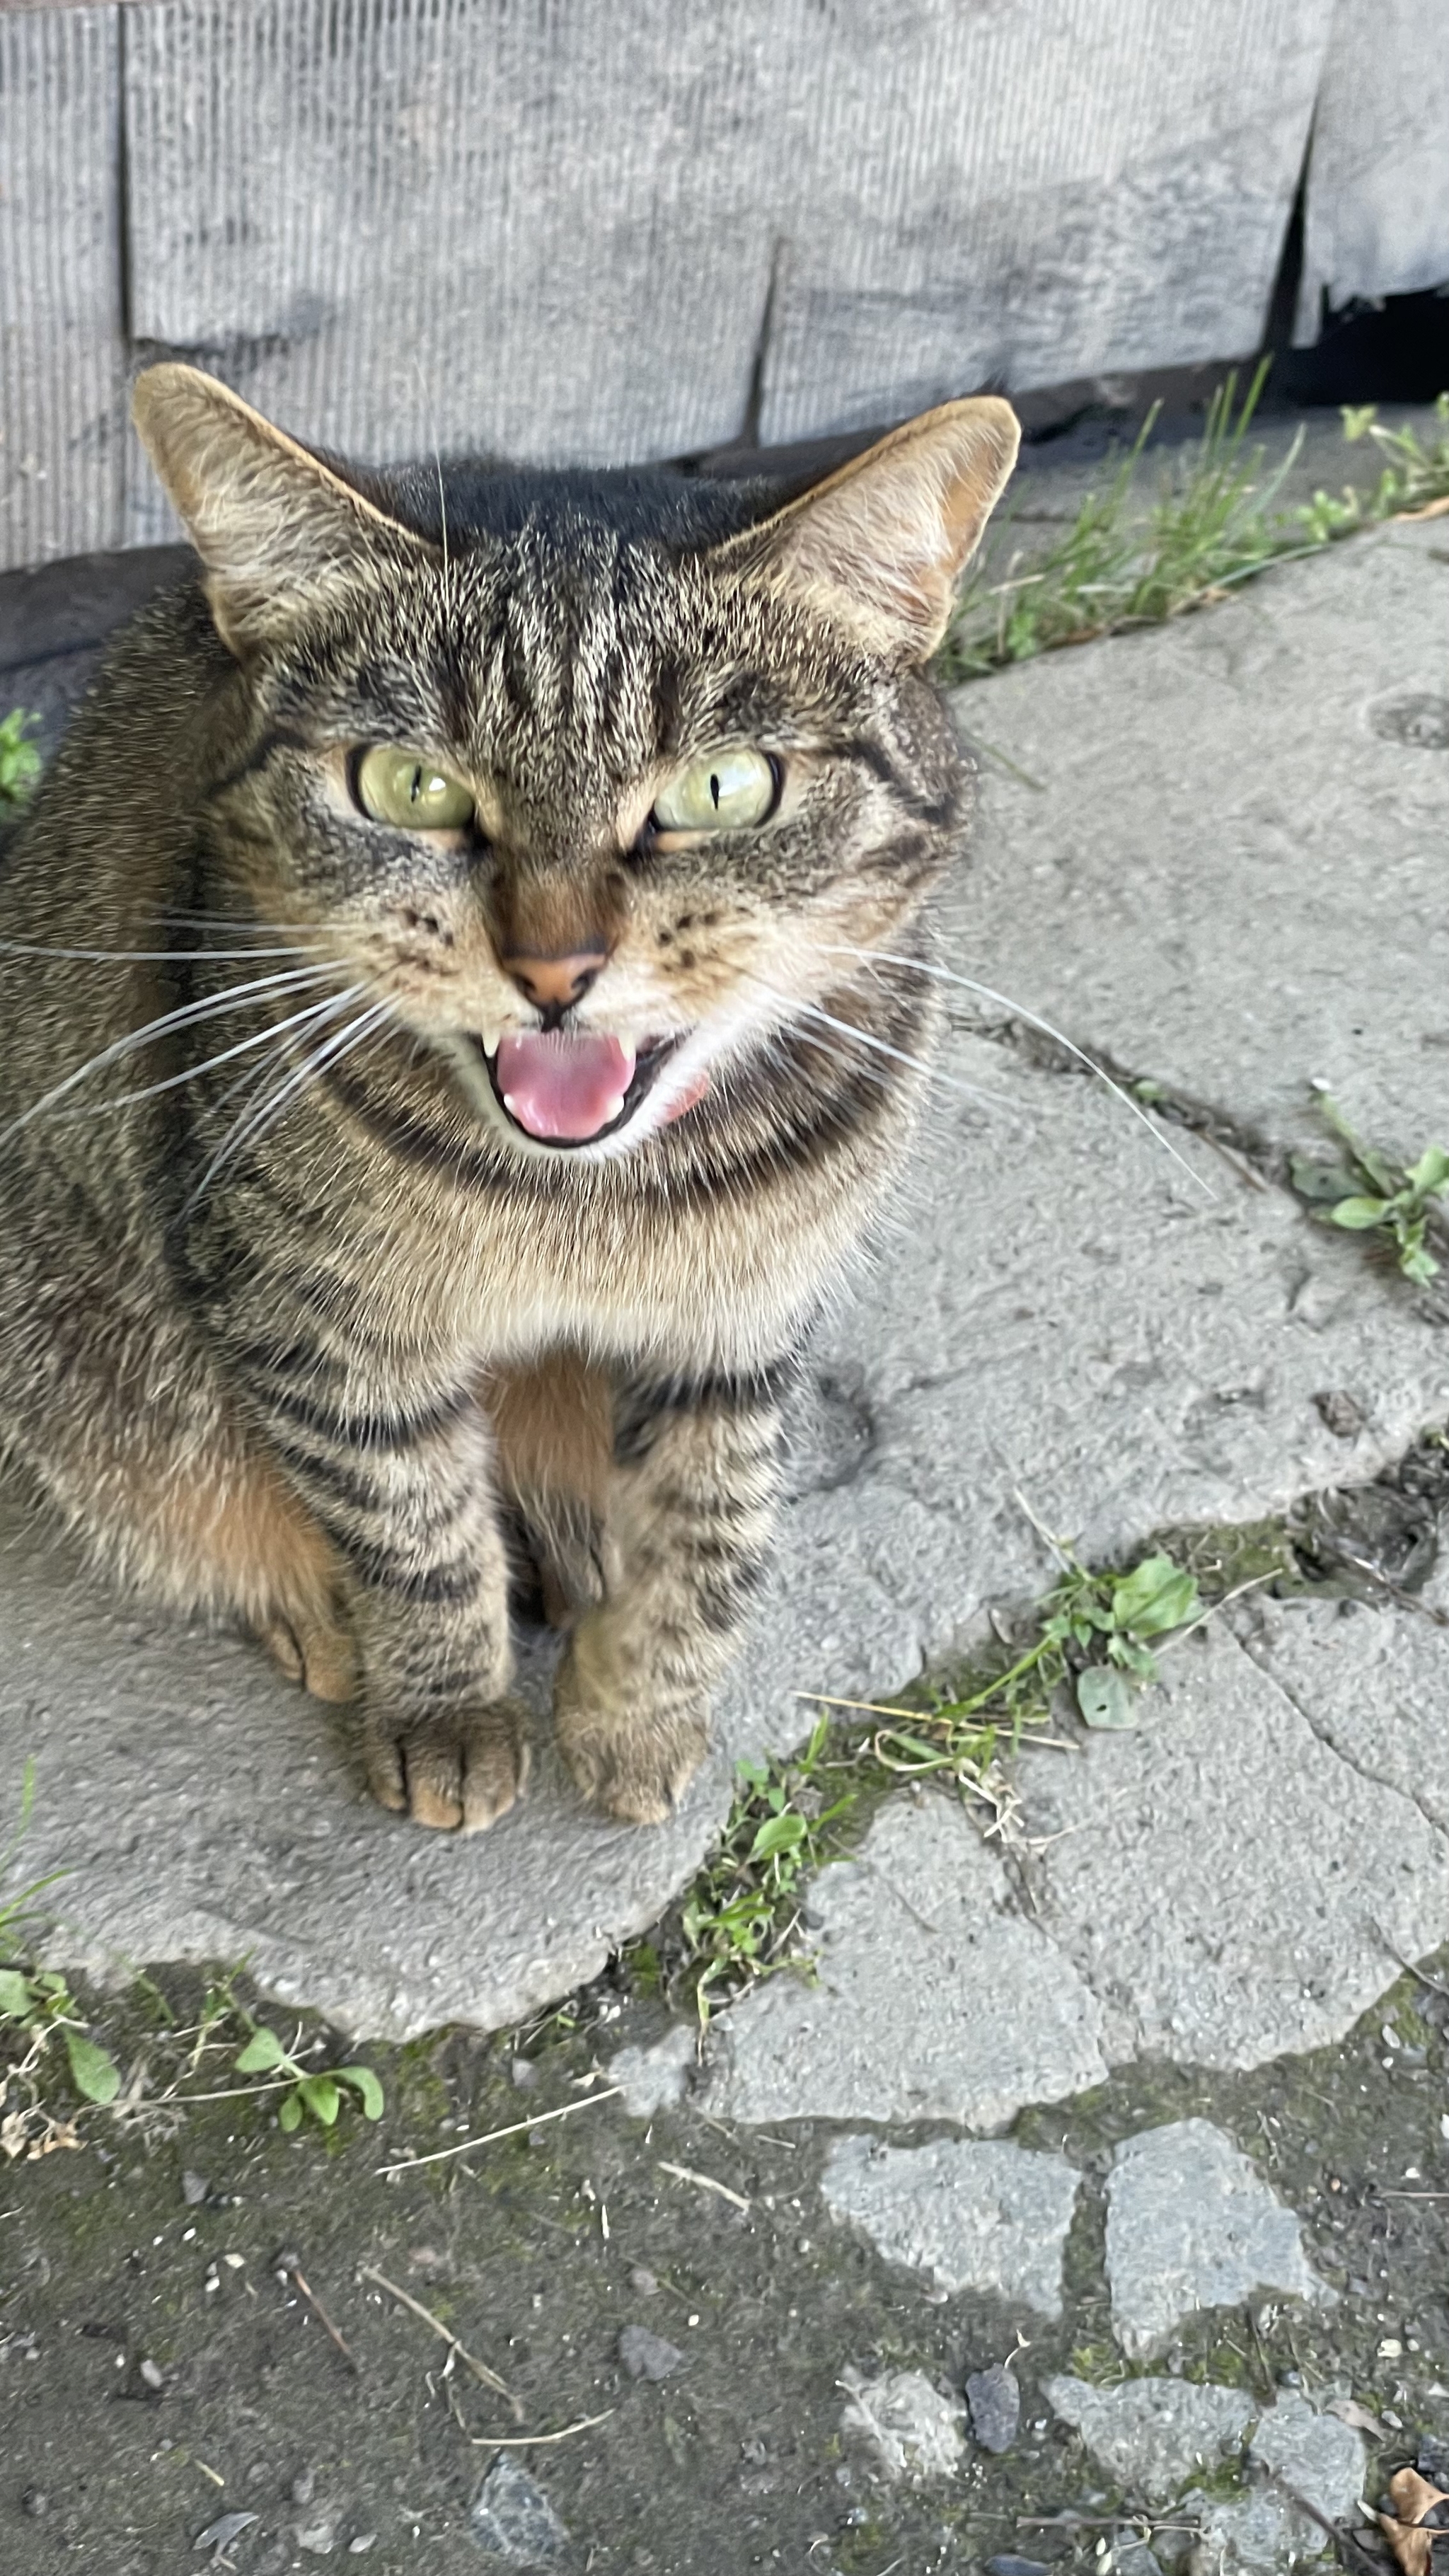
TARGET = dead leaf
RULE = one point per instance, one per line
(1358, 2418)
(1420, 2517)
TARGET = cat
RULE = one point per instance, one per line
(448, 1059)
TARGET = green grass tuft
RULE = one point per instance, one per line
(1214, 524)
(1094, 1630)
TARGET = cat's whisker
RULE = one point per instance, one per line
(1019, 1010)
(185, 1017)
(255, 1123)
(879, 1046)
(327, 1008)
(144, 956)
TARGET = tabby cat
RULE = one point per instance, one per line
(459, 1018)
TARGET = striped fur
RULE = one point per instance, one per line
(294, 1322)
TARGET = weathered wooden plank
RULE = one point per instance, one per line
(1028, 193)
(62, 357)
(1377, 212)
(545, 231)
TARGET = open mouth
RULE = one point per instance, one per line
(566, 1088)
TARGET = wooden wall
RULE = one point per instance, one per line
(614, 229)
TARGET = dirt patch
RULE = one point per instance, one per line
(163, 2370)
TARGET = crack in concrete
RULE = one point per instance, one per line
(1257, 1158)
(1321, 1734)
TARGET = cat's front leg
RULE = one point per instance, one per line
(687, 1526)
(403, 1488)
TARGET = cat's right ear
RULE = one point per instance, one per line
(280, 533)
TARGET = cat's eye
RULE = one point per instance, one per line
(725, 792)
(404, 787)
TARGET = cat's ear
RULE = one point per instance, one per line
(881, 544)
(281, 534)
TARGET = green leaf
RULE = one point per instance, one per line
(18, 1999)
(95, 2074)
(262, 2053)
(322, 2098)
(1104, 1697)
(1155, 1596)
(289, 2113)
(1133, 1658)
(1431, 1172)
(781, 1833)
(1417, 1264)
(363, 2081)
(1318, 1182)
(1358, 1214)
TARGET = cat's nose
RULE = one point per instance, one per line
(556, 982)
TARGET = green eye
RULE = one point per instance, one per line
(724, 793)
(395, 786)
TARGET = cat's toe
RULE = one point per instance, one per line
(457, 1771)
(638, 1770)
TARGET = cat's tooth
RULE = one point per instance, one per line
(490, 1039)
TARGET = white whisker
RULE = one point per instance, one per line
(247, 1127)
(327, 1008)
(143, 956)
(185, 1017)
(969, 984)
(879, 1046)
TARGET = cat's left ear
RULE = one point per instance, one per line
(281, 534)
(881, 544)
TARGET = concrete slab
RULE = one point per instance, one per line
(1229, 868)
(931, 1997)
(1227, 1885)
(1372, 1682)
(1300, 2453)
(908, 2429)
(1191, 2224)
(971, 2217)
(1153, 2435)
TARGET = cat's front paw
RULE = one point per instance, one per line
(631, 1758)
(458, 1769)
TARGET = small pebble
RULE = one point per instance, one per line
(523, 2072)
(319, 2538)
(152, 2373)
(994, 2400)
(35, 2502)
(194, 2188)
(363, 2541)
(304, 2486)
(1008, 2564)
(643, 2281)
(647, 2356)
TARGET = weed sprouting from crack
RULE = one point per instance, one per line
(1368, 1193)
(1097, 1631)
(1119, 566)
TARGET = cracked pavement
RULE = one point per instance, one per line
(1074, 1312)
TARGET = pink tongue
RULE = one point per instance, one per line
(564, 1086)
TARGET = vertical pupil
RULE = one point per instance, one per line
(415, 785)
(714, 788)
